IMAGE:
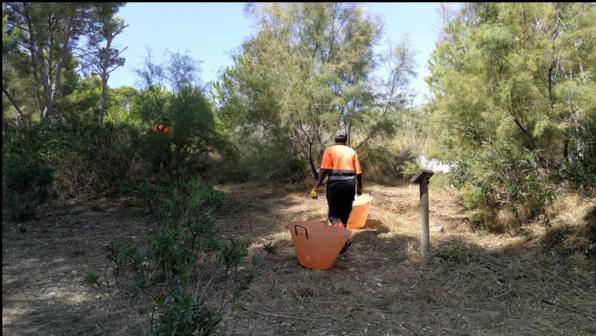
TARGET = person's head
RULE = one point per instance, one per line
(341, 136)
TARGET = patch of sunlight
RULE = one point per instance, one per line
(10, 314)
(387, 235)
(65, 297)
(78, 298)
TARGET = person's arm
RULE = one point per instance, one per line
(326, 166)
(358, 171)
(322, 174)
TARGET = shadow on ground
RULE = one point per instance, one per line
(43, 265)
(383, 287)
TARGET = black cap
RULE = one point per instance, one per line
(341, 134)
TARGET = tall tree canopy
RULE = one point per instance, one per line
(307, 71)
(42, 52)
(513, 86)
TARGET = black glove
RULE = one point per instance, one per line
(359, 190)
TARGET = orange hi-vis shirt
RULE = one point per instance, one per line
(163, 128)
(342, 161)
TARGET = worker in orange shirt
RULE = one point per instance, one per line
(163, 127)
(163, 155)
(341, 164)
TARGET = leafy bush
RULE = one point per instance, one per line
(406, 163)
(273, 161)
(580, 165)
(154, 147)
(473, 197)
(184, 314)
(186, 150)
(26, 177)
(233, 252)
(180, 255)
(453, 253)
(378, 161)
(408, 169)
(270, 247)
(90, 160)
(26, 184)
(76, 157)
(500, 177)
(167, 253)
(91, 278)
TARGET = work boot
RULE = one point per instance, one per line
(346, 245)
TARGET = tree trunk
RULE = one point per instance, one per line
(313, 168)
(104, 98)
(311, 160)
(20, 114)
(55, 87)
(566, 147)
(349, 130)
(35, 66)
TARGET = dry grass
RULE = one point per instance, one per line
(43, 265)
(475, 283)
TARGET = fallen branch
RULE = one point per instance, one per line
(567, 309)
(569, 283)
(279, 315)
(409, 328)
(501, 294)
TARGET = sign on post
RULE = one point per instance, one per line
(422, 178)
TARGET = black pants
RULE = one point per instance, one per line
(340, 195)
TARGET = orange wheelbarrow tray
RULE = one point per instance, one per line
(317, 244)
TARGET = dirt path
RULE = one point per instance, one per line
(490, 285)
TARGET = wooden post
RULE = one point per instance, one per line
(422, 178)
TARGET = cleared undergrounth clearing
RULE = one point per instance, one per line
(475, 284)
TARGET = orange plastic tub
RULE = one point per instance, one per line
(359, 212)
(317, 244)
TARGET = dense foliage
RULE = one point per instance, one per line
(513, 103)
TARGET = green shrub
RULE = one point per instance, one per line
(378, 161)
(473, 197)
(499, 177)
(171, 202)
(90, 160)
(181, 250)
(270, 247)
(184, 314)
(27, 183)
(80, 158)
(408, 169)
(406, 164)
(185, 152)
(91, 278)
(274, 161)
(233, 252)
(453, 253)
(244, 283)
(167, 252)
(580, 165)
(155, 148)
(26, 177)
(203, 195)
